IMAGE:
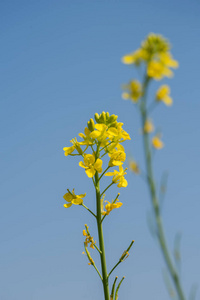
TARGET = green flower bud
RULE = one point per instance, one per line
(91, 125)
(107, 116)
(96, 116)
(112, 118)
(102, 118)
(114, 124)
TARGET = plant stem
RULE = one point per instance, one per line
(88, 209)
(153, 194)
(101, 239)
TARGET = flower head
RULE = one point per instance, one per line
(148, 126)
(118, 177)
(163, 95)
(110, 206)
(134, 91)
(71, 198)
(91, 165)
(70, 150)
(100, 133)
(133, 166)
(155, 54)
(117, 156)
(87, 140)
(157, 143)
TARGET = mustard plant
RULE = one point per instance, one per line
(99, 140)
(153, 61)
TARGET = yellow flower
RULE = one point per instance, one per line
(163, 95)
(100, 133)
(158, 70)
(117, 134)
(71, 198)
(160, 67)
(88, 238)
(118, 177)
(157, 143)
(68, 150)
(134, 91)
(133, 166)
(135, 57)
(110, 206)
(76, 145)
(90, 165)
(87, 139)
(167, 60)
(148, 126)
(117, 157)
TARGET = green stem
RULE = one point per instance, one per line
(153, 194)
(106, 188)
(101, 239)
(117, 289)
(124, 255)
(104, 172)
(88, 209)
(92, 262)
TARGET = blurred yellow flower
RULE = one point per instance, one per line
(135, 57)
(133, 166)
(148, 126)
(163, 95)
(134, 91)
(157, 143)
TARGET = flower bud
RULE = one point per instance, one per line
(107, 116)
(96, 116)
(112, 118)
(91, 125)
(102, 118)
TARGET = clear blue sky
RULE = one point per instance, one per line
(60, 63)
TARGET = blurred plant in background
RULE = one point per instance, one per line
(101, 139)
(154, 60)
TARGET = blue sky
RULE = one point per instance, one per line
(61, 63)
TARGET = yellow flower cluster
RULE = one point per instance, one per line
(156, 59)
(155, 54)
(103, 137)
